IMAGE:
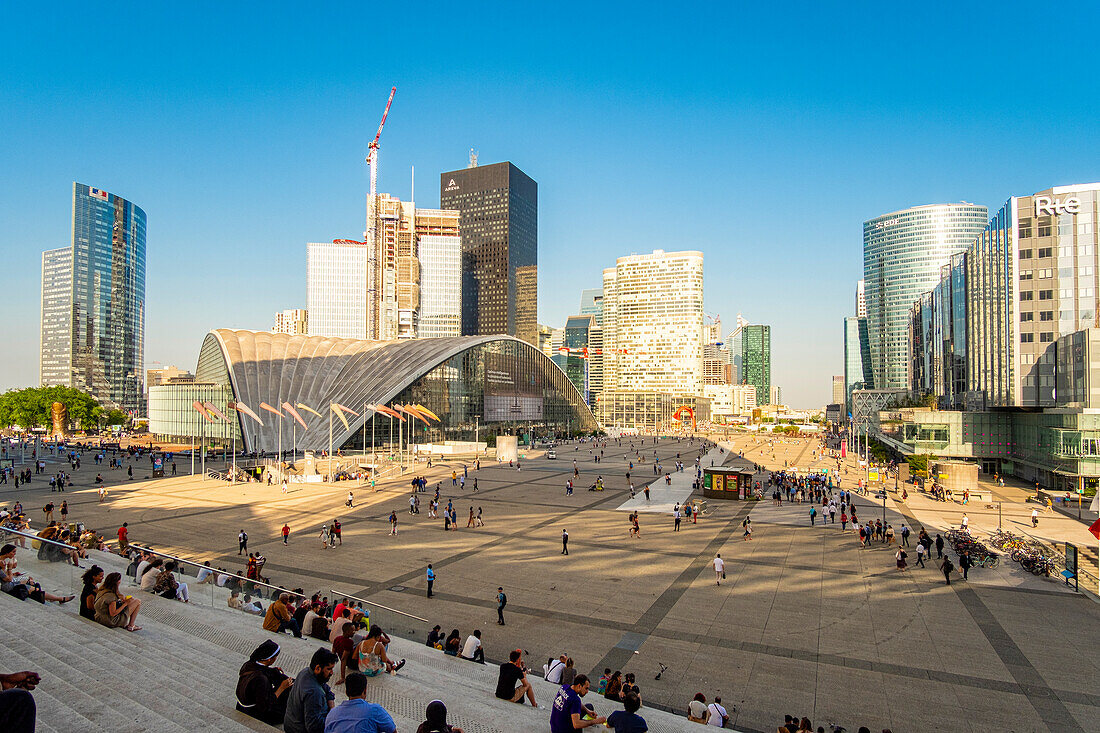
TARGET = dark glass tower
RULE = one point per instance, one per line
(96, 340)
(499, 214)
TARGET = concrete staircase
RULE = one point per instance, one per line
(180, 671)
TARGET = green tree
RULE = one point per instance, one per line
(31, 407)
(116, 417)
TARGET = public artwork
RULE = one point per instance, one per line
(59, 421)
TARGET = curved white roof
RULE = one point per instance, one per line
(273, 368)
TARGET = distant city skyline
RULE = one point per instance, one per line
(765, 154)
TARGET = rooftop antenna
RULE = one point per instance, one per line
(473, 159)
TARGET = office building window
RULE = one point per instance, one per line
(1025, 254)
(1046, 316)
(1046, 295)
(1027, 338)
(1028, 316)
(1046, 337)
(1046, 252)
(1025, 274)
(1027, 295)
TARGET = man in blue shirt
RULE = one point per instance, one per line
(356, 715)
(431, 579)
(567, 713)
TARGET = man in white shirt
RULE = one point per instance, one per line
(472, 648)
(718, 714)
(719, 568)
(205, 575)
(553, 669)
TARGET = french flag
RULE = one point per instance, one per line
(98, 193)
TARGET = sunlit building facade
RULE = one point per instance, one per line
(903, 252)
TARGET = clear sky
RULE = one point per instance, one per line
(763, 138)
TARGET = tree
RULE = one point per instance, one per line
(116, 417)
(31, 407)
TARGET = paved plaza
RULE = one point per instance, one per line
(806, 622)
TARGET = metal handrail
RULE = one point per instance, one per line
(337, 593)
(216, 571)
(30, 536)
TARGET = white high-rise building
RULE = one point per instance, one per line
(653, 323)
(294, 321)
(440, 286)
(382, 293)
(336, 285)
(861, 299)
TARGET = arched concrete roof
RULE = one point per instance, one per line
(317, 370)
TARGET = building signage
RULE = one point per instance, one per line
(887, 223)
(451, 185)
(1047, 205)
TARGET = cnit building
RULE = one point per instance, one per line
(1007, 343)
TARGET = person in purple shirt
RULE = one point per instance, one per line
(356, 715)
(567, 713)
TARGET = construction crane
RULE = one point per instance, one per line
(372, 229)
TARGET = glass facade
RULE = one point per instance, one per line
(93, 337)
(498, 207)
(440, 286)
(756, 361)
(495, 388)
(173, 416)
(1053, 447)
(903, 253)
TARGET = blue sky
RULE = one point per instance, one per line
(763, 138)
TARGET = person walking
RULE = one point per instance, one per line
(947, 566)
(470, 521)
(502, 601)
(747, 524)
(646, 491)
(719, 569)
(1034, 517)
(676, 519)
(286, 533)
(920, 554)
(939, 546)
(901, 556)
(393, 524)
(564, 542)
(480, 522)
(813, 515)
(336, 537)
(431, 579)
(905, 535)
(242, 542)
(965, 562)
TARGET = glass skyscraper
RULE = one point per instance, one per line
(499, 213)
(756, 361)
(903, 252)
(93, 337)
(857, 359)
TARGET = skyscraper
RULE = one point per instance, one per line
(734, 344)
(592, 304)
(756, 364)
(99, 345)
(653, 323)
(838, 390)
(498, 207)
(581, 353)
(336, 289)
(903, 252)
(55, 360)
(354, 292)
(440, 253)
(857, 359)
(861, 299)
